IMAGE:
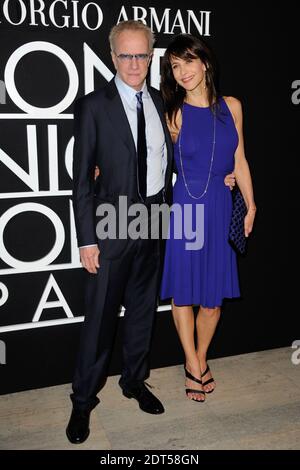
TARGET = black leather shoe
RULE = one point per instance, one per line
(78, 428)
(147, 401)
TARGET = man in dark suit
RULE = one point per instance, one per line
(121, 129)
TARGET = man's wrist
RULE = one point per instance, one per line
(86, 246)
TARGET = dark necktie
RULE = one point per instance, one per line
(141, 147)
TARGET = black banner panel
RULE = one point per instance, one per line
(51, 53)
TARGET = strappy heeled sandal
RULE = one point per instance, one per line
(207, 381)
(192, 390)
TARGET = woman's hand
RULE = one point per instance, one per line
(229, 180)
(249, 220)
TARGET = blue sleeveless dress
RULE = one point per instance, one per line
(207, 273)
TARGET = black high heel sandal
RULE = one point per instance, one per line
(192, 390)
(207, 381)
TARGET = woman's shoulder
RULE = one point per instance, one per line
(234, 105)
(232, 102)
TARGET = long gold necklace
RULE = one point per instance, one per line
(211, 160)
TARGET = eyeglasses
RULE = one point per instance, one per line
(129, 57)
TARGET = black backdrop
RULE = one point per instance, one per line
(44, 69)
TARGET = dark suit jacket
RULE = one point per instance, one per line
(103, 137)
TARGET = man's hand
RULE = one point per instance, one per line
(97, 172)
(89, 257)
(229, 180)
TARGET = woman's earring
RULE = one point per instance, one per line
(204, 86)
(176, 88)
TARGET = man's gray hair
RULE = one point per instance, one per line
(130, 25)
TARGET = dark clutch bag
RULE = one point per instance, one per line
(237, 237)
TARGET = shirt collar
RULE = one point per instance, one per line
(128, 92)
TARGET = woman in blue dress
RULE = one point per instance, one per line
(206, 129)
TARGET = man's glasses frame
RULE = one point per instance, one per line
(129, 57)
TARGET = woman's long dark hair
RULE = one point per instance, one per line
(186, 46)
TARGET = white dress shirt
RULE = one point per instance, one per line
(155, 138)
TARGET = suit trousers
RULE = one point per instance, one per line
(132, 281)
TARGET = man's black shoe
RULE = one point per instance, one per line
(147, 401)
(78, 428)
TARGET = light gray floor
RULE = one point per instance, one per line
(256, 405)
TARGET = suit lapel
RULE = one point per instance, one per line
(116, 113)
(158, 104)
(156, 100)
